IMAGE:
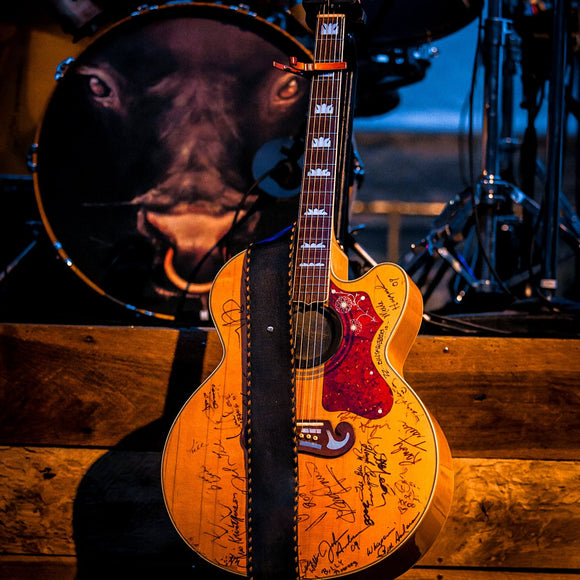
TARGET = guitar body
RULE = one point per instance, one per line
(374, 470)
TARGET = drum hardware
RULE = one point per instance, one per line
(31, 158)
(17, 187)
(62, 67)
(491, 219)
(277, 166)
(78, 17)
(556, 118)
(5, 271)
(382, 73)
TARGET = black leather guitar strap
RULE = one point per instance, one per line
(270, 432)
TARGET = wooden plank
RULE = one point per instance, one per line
(98, 386)
(506, 513)
(119, 567)
(501, 397)
(38, 567)
(469, 574)
(65, 568)
(512, 514)
(37, 493)
(94, 385)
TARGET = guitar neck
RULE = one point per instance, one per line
(320, 177)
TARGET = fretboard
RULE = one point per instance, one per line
(316, 213)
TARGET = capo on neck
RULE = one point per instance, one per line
(300, 68)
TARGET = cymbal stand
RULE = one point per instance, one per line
(556, 117)
(490, 192)
(472, 215)
(483, 216)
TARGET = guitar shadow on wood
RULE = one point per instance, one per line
(121, 528)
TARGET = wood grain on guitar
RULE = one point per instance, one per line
(374, 471)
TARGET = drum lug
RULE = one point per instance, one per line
(63, 67)
(144, 8)
(31, 158)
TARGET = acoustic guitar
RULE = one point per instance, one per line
(305, 454)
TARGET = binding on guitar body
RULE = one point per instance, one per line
(306, 454)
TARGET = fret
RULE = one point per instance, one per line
(316, 201)
(314, 221)
(318, 185)
(328, 131)
(322, 119)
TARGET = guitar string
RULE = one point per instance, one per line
(303, 256)
(309, 285)
(312, 285)
(318, 285)
(323, 223)
(297, 280)
(330, 87)
(314, 219)
(314, 230)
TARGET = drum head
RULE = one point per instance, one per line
(144, 158)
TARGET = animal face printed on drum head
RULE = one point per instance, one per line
(148, 142)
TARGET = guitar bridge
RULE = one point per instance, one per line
(319, 438)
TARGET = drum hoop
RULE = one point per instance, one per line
(233, 13)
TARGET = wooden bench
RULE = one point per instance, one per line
(84, 412)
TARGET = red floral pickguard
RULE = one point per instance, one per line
(351, 380)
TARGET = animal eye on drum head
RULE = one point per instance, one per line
(98, 87)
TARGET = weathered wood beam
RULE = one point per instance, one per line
(104, 386)
(65, 568)
(104, 503)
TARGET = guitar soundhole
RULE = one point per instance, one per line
(318, 334)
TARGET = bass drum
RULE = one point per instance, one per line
(145, 159)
